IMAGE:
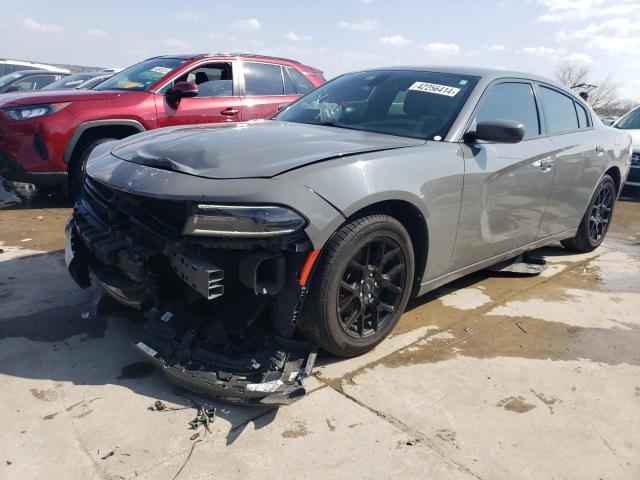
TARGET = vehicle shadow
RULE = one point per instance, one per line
(17, 196)
(52, 330)
(553, 251)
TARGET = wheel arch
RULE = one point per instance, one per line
(614, 173)
(93, 130)
(412, 219)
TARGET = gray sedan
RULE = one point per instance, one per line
(378, 186)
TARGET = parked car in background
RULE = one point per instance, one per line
(82, 81)
(12, 66)
(377, 186)
(631, 124)
(28, 80)
(609, 119)
(46, 136)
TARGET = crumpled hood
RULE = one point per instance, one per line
(249, 150)
(36, 97)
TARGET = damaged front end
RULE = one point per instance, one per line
(222, 287)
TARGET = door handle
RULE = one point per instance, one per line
(230, 112)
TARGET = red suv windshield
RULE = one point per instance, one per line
(142, 75)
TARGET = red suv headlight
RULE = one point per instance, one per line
(34, 111)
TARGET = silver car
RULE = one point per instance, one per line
(378, 186)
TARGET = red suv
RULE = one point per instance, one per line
(46, 136)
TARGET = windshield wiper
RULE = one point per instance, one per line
(337, 125)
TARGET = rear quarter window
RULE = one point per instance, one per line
(302, 85)
(559, 110)
(583, 117)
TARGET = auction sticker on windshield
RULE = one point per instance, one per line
(162, 70)
(434, 88)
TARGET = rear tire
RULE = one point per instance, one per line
(596, 220)
(77, 168)
(360, 286)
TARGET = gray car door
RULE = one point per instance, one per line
(579, 159)
(506, 186)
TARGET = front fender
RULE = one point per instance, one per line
(83, 127)
(428, 177)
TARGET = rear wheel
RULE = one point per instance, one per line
(361, 286)
(595, 223)
(77, 168)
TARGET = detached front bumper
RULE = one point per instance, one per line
(271, 371)
(219, 319)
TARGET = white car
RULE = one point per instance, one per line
(11, 66)
(631, 124)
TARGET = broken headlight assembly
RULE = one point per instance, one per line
(243, 221)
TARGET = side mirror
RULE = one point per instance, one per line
(182, 90)
(500, 131)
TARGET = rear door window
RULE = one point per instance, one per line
(511, 101)
(44, 80)
(263, 79)
(559, 111)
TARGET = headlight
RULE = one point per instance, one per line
(34, 111)
(242, 221)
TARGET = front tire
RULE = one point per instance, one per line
(597, 219)
(77, 168)
(360, 287)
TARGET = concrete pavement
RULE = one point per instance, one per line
(489, 378)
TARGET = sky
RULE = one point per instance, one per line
(336, 36)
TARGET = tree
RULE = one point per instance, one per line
(603, 93)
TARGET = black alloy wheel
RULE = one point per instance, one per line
(601, 211)
(360, 285)
(597, 218)
(371, 287)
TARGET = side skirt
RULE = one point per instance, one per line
(450, 277)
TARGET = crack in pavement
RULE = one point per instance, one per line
(423, 439)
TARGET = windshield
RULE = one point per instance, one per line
(631, 121)
(405, 103)
(72, 81)
(142, 75)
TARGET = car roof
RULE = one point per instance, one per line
(34, 65)
(227, 54)
(488, 74)
(24, 73)
(98, 73)
(241, 55)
